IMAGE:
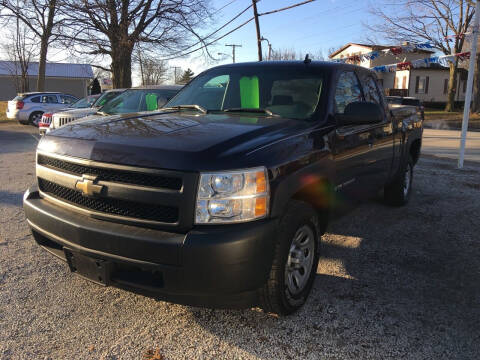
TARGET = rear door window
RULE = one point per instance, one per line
(35, 99)
(348, 90)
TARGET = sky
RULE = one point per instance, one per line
(314, 27)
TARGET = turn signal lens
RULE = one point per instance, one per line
(260, 207)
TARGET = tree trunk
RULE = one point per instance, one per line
(42, 64)
(122, 66)
(476, 88)
(452, 86)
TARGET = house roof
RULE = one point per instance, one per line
(372, 47)
(65, 70)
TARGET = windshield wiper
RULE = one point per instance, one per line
(251, 110)
(187, 107)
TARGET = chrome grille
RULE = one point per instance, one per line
(121, 176)
(166, 214)
(160, 198)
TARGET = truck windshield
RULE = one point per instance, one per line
(292, 93)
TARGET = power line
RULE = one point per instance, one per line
(287, 7)
(224, 6)
(211, 42)
(213, 33)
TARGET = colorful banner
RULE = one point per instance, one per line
(396, 50)
(415, 64)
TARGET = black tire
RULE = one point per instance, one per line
(275, 296)
(399, 190)
(33, 116)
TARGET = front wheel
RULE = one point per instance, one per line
(295, 260)
(399, 190)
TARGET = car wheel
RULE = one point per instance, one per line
(35, 118)
(398, 192)
(295, 261)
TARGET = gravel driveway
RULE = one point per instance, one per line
(392, 283)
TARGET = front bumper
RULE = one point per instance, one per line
(212, 266)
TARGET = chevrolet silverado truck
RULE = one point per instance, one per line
(221, 198)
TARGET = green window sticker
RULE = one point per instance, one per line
(151, 100)
(249, 92)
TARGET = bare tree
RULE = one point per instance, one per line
(41, 17)
(114, 28)
(20, 51)
(153, 72)
(291, 54)
(440, 22)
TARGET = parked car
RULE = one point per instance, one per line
(132, 100)
(62, 117)
(408, 101)
(28, 108)
(44, 123)
(221, 198)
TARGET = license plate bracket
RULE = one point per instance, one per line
(96, 270)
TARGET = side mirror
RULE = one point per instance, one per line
(359, 112)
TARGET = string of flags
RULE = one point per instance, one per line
(415, 64)
(396, 50)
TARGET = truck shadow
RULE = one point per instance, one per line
(382, 290)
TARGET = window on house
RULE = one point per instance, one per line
(421, 84)
(404, 82)
(445, 86)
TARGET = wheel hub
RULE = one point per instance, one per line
(300, 260)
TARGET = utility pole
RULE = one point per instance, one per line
(468, 95)
(175, 69)
(269, 47)
(233, 50)
(257, 25)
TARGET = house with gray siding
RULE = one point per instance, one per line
(63, 77)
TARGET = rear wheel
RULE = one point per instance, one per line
(398, 192)
(295, 260)
(35, 118)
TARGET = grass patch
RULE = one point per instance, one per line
(440, 119)
(3, 110)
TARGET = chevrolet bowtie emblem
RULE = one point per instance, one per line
(87, 185)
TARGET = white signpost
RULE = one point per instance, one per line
(468, 96)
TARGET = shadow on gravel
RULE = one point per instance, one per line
(11, 198)
(385, 288)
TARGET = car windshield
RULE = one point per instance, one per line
(86, 102)
(106, 97)
(135, 100)
(292, 93)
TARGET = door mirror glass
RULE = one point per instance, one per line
(360, 112)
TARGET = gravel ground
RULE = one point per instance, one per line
(392, 283)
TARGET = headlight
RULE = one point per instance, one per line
(232, 196)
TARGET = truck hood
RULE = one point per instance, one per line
(170, 140)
